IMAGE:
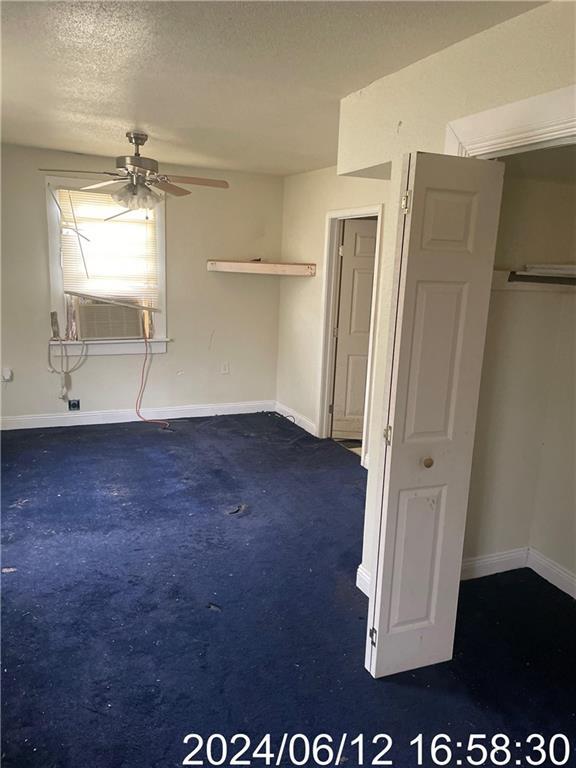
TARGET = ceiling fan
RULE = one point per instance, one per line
(142, 177)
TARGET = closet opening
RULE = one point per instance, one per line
(522, 493)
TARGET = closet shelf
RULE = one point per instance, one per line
(505, 280)
(263, 268)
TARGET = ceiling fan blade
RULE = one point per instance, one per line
(104, 183)
(172, 189)
(70, 170)
(200, 181)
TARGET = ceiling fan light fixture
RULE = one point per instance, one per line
(136, 197)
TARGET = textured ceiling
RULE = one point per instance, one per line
(249, 86)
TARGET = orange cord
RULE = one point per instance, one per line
(140, 397)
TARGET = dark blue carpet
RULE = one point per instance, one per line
(202, 580)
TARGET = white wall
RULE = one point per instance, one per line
(553, 528)
(522, 490)
(408, 111)
(211, 317)
(308, 197)
(538, 222)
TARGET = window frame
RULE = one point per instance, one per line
(57, 302)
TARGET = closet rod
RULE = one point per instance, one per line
(515, 277)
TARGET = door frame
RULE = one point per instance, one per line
(546, 120)
(334, 224)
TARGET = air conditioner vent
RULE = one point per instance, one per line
(108, 321)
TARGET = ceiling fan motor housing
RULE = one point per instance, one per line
(137, 164)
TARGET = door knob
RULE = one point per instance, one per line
(428, 462)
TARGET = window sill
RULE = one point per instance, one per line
(108, 347)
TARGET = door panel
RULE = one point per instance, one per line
(414, 582)
(434, 364)
(351, 360)
(360, 309)
(356, 387)
(449, 220)
(446, 255)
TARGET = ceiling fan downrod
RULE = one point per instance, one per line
(138, 139)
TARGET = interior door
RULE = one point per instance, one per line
(357, 255)
(443, 275)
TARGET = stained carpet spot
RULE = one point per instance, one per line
(9, 570)
(215, 607)
(19, 503)
(237, 510)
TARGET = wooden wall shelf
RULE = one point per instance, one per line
(263, 268)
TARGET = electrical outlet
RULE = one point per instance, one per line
(225, 368)
(73, 405)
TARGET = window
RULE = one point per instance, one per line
(106, 265)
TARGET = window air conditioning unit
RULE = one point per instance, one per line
(108, 321)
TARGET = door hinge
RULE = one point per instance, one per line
(331, 408)
(340, 250)
(335, 331)
(405, 202)
(388, 434)
(373, 635)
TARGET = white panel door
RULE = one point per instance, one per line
(356, 278)
(443, 276)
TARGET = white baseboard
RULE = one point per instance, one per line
(556, 574)
(487, 565)
(298, 419)
(363, 579)
(77, 418)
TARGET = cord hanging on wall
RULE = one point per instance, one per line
(64, 370)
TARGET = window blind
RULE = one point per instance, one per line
(117, 259)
